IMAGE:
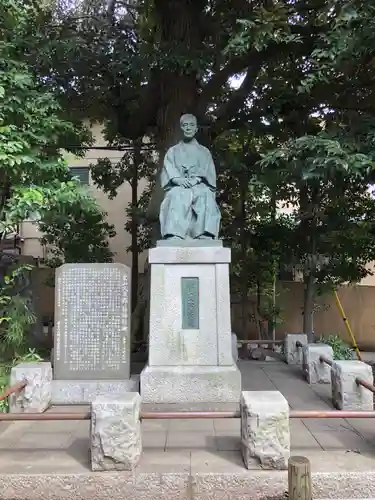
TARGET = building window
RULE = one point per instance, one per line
(82, 173)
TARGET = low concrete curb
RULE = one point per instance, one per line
(254, 485)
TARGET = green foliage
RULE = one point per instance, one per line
(17, 318)
(78, 232)
(35, 182)
(319, 156)
(341, 350)
(257, 234)
(16, 314)
(265, 26)
(303, 105)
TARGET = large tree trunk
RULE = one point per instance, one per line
(308, 306)
(134, 224)
(179, 26)
(309, 207)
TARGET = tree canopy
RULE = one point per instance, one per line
(283, 90)
(35, 182)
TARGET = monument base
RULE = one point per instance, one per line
(191, 384)
(80, 392)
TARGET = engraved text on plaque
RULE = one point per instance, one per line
(92, 322)
(190, 303)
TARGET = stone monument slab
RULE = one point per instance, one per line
(92, 322)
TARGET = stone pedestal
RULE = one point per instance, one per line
(190, 351)
(83, 392)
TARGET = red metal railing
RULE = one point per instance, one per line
(13, 389)
(260, 342)
(365, 384)
(10, 417)
(323, 359)
(188, 415)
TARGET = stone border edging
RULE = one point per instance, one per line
(257, 485)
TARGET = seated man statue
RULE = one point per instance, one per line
(188, 177)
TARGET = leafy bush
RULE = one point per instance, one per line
(341, 350)
(16, 313)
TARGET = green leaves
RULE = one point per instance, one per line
(35, 182)
(317, 157)
(265, 26)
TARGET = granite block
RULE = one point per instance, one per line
(189, 255)
(265, 430)
(314, 370)
(346, 393)
(36, 397)
(116, 432)
(293, 354)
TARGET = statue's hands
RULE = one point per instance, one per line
(181, 181)
(194, 181)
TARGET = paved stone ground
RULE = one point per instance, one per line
(192, 445)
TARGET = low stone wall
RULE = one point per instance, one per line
(115, 432)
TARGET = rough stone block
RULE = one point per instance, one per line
(191, 384)
(116, 432)
(314, 370)
(265, 433)
(293, 353)
(36, 397)
(257, 353)
(346, 393)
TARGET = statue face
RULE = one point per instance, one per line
(189, 127)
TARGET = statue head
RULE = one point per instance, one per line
(189, 126)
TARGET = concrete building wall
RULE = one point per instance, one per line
(357, 302)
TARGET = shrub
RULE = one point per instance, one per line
(341, 350)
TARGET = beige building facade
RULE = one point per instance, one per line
(114, 208)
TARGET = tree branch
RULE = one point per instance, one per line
(219, 79)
